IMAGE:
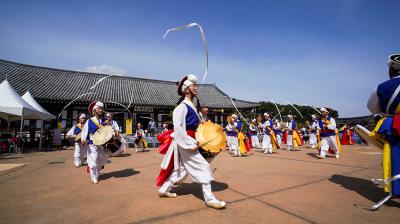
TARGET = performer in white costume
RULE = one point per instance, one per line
(266, 143)
(140, 139)
(255, 142)
(183, 151)
(290, 128)
(114, 124)
(232, 135)
(96, 156)
(203, 114)
(327, 131)
(80, 149)
(277, 131)
(313, 131)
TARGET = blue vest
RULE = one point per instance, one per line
(385, 92)
(314, 131)
(269, 126)
(294, 125)
(192, 120)
(239, 125)
(327, 132)
(77, 130)
(92, 129)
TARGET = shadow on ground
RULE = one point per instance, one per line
(119, 174)
(364, 188)
(195, 189)
(124, 155)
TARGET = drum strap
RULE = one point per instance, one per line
(396, 92)
(96, 123)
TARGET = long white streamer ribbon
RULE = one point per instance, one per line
(203, 37)
(72, 102)
(278, 114)
(312, 108)
(278, 110)
(295, 108)
(234, 105)
(99, 81)
(130, 115)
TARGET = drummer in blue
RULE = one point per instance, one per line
(96, 156)
(385, 100)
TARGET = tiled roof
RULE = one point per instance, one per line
(48, 84)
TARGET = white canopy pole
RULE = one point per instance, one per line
(20, 129)
(41, 135)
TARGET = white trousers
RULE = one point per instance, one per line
(193, 164)
(313, 140)
(279, 139)
(228, 142)
(180, 175)
(96, 158)
(79, 154)
(289, 142)
(234, 145)
(266, 144)
(328, 142)
(255, 142)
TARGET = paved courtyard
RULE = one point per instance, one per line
(285, 187)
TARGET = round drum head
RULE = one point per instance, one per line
(211, 137)
(103, 135)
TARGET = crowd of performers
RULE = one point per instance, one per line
(183, 156)
(96, 156)
(182, 153)
(267, 135)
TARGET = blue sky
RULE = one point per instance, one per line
(322, 53)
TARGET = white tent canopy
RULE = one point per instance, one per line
(45, 114)
(13, 107)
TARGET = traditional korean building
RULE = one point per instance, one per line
(124, 96)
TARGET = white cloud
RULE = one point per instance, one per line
(106, 69)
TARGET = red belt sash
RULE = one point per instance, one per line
(165, 139)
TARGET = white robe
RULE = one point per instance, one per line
(96, 156)
(277, 126)
(233, 141)
(255, 142)
(186, 161)
(313, 136)
(329, 141)
(266, 142)
(289, 140)
(79, 153)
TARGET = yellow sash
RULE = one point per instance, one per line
(242, 146)
(96, 123)
(386, 157)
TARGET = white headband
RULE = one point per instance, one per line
(192, 79)
(98, 104)
(394, 61)
(82, 116)
(323, 109)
